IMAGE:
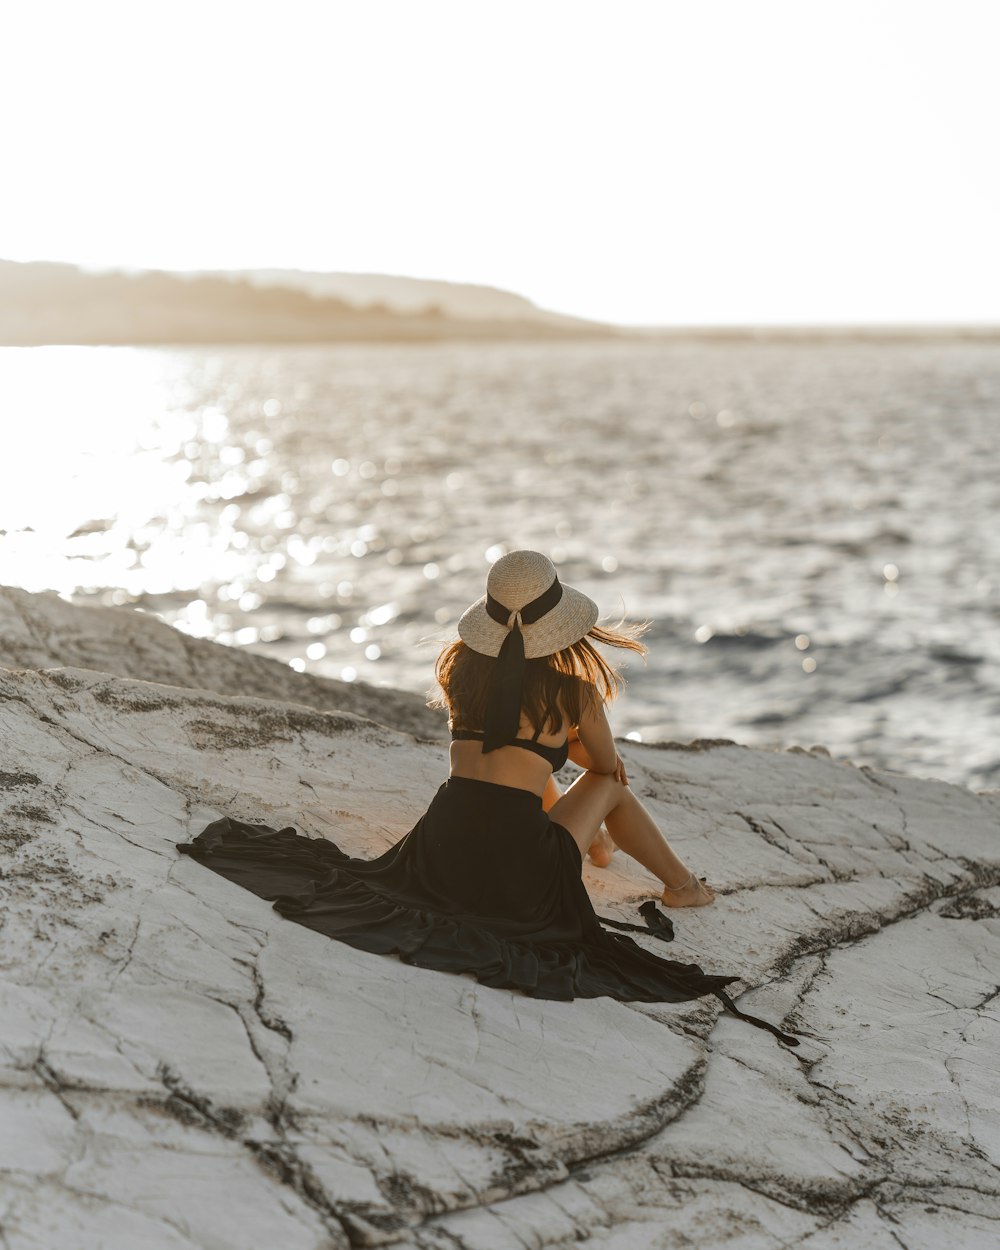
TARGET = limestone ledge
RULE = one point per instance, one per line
(40, 631)
(181, 1067)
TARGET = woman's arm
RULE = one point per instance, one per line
(578, 753)
(593, 746)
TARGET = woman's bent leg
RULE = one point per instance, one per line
(601, 848)
(637, 833)
(597, 797)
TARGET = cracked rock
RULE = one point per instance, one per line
(181, 1067)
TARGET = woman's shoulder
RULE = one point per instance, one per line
(579, 698)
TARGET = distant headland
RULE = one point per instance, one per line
(48, 302)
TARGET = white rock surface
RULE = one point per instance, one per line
(44, 631)
(181, 1067)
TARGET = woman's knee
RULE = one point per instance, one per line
(586, 803)
(606, 781)
(605, 790)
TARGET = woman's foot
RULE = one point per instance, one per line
(601, 849)
(692, 893)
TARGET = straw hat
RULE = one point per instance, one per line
(523, 588)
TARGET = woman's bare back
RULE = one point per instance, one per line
(510, 765)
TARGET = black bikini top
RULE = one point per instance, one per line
(557, 756)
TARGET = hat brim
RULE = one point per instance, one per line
(572, 617)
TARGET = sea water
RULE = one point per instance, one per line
(812, 528)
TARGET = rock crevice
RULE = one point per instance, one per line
(168, 1041)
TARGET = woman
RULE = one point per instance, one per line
(562, 686)
(488, 880)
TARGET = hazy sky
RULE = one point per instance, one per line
(662, 161)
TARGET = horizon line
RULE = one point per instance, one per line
(637, 326)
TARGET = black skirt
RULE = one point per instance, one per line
(483, 883)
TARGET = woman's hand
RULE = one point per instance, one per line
(620, 770)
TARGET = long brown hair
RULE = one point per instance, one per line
(569, 680)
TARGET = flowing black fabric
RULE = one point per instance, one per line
(503, 696)
(504, 693)
(483, 883)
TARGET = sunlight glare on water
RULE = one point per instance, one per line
(93, 437)
(811, 527)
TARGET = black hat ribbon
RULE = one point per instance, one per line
(503, 700)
